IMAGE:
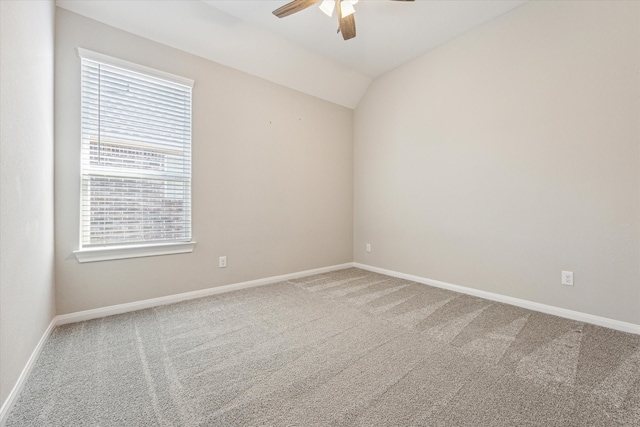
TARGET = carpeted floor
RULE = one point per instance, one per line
(348, 348)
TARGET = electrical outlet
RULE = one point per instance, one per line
(222, 262)
(368, 247)
(567, 278)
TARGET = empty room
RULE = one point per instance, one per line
(319, 213)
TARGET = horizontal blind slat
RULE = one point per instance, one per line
(164, 127)
(144, 96)
(106, 72)
(94, 98)
(120, 73)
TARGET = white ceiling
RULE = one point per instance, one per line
(301, 51)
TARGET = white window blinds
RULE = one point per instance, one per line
(136, 154)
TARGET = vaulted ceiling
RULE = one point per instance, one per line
(302, 51)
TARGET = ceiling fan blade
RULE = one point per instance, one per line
(347, 25)
(293, 7)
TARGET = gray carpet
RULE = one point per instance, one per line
(348, 348)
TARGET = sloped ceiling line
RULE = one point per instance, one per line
(301, 52)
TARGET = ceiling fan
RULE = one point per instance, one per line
(346, 19)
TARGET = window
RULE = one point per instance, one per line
(136, 160)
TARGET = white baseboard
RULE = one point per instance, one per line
(535, 306)
(81, 316)
(22, 379)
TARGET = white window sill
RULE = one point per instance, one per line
(122, 252)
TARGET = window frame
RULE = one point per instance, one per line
(105, 252)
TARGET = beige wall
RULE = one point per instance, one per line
(510, 154)
(27, 303)
(272, 177)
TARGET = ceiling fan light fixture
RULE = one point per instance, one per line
(346, 8)
(328, 6)
(346, 11)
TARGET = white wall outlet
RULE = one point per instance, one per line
(368, 249)
(567, 278)
(222, 262)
